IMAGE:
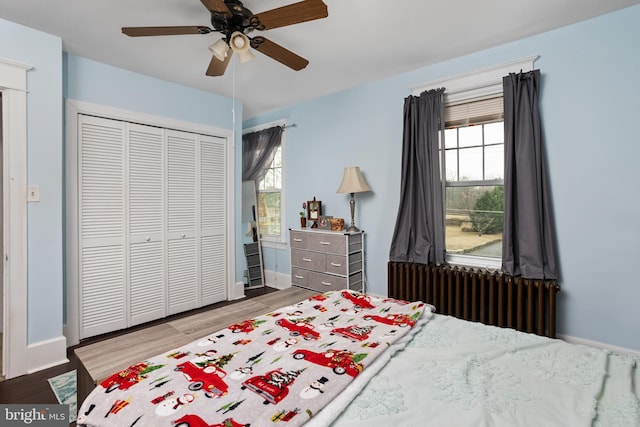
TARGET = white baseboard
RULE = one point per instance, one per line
(46, 354)
(600, 345)
(236, 291)
(277, 280)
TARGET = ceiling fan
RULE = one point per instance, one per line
(235, 22)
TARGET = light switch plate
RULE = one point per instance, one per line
(33, 193)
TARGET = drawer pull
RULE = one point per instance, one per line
(326, 283)
(325, 243)
(297, 240)
(335, 264)
(299, 277)
(306, 259)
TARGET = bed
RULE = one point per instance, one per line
(348, 359)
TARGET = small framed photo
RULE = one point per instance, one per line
(325, 222)
(314, 209)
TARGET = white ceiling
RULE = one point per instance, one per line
(361, 40)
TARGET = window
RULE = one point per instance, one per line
(270, 197)
(473, 162)
(474, 196)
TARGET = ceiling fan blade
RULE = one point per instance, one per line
(306, 10)
(165, 31)
(279, 53)
(217, 67)
(216, 6)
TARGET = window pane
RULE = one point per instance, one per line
(470, 136)
(267, 181)
(269, 213)
(494, 162)
(451, 160)
(474, 220)
(494, 133)
(451, 138)
(470, 164)
(277, 158)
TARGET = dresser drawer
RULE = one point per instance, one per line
(298, 239)
(309, 260)
(326, 282)
(300, 277)
(327, 243)
(337, 264)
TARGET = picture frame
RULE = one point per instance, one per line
(324, 222)
(314, 209)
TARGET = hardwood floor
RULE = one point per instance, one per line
(35, 389)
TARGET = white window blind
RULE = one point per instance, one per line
(474, 112)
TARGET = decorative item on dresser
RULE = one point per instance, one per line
(353, 182)
(325, 260)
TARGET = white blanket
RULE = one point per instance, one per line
(459, 373)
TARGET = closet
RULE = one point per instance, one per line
(151, 223)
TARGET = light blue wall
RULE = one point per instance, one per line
(44, 168)
(95, 82)
(589, 103)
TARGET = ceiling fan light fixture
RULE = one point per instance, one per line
(219, 49)
(240, 44)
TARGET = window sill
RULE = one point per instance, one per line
(475, 261)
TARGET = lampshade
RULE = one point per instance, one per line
(353, 181)
(219, 49)
(240, 45)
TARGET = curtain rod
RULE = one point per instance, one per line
(292, 125)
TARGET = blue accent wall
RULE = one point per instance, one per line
(589, 106)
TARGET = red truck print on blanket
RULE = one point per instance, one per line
(245, 326)
(272, 386)
(128, 377)
(401, 320)
(202, 374)
(299, 328)
(354, 332)
(340, 361)
(358, 300)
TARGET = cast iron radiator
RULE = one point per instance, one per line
(478, 295)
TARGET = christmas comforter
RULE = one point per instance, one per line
(282, 367)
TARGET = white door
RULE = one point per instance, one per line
(213, 176)
(146, 221)
(101, 226)
(182, 211)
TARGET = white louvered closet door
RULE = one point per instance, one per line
(147, 288)
(212, 219)
(182, 218)
(101, 221)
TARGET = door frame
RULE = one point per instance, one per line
(13, 84)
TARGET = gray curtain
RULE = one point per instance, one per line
(419, 231)
(528, 239)
(258, 149)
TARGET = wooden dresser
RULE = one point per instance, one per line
(324, 260)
